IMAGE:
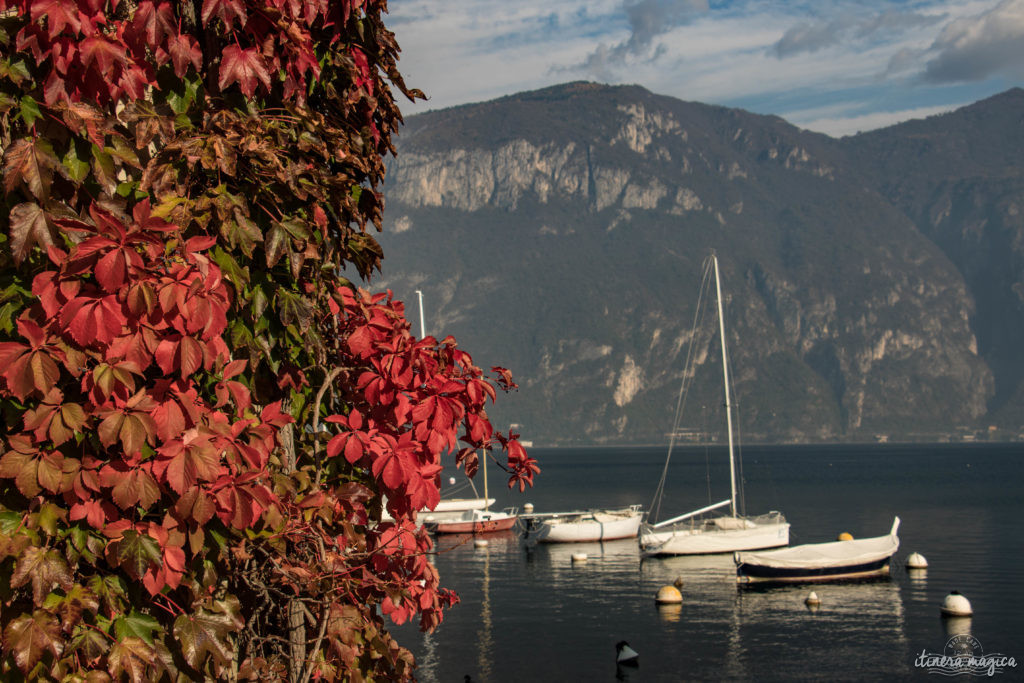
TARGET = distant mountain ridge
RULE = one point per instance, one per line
(872, 282)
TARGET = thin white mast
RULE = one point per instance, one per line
(728, 400)
(419, 294)
(487, 499)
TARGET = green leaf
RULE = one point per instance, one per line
(123, 151)
(110, 590)
(298, 229)
(7, 103)
(294, 309)
(91, 643)
(260, 300)
(103, 168)
(30, 110)
(136, 624)
(10, 521)
(16, 72)
(234, 273)
(76, 166)
(135, 553)
(49, 515)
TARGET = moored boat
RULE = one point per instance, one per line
(693, 533)
(474, 522)
(583, 525)
(812, 562)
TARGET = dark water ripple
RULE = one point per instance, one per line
(535, 615)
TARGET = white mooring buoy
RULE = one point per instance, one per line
(916, 561)
(668, 595)
(480, 543)
(956, 605)
(579, 557)
(624, 654)
(528, 509)
(812, 599)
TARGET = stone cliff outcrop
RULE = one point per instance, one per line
(560, 233)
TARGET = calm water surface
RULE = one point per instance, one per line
(531, 614)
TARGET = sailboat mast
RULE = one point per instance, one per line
(423, 334)
(728, 393)
(487, 499)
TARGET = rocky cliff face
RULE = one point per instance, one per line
(561, 233)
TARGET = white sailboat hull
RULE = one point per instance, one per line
(714, 536)
(592, 525)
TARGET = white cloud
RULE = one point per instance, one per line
(974, 48)
(812, 36)
(767, 56)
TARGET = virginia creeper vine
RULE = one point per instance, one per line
(202, 417)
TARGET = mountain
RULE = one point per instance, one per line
(871, 282)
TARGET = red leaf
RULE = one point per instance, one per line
(243, 67)
(195, 504)
(59, 15)
(29, 369)
(225, 10)
(388, 468)
(191, 356)
(21, 463)
(112, 270)
(92, 320)
(183, 463)
(130, 486)
(184, 50)
(103, 51)
(154, 21)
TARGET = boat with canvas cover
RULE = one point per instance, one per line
(838, 560)
(583, 525)
(691, 533)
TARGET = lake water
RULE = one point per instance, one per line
(531, 614)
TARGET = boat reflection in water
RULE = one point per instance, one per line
(771, 618)
(606, 552)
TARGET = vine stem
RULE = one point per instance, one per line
(316, 418)
(316, 646)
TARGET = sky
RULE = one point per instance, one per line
(832, 66)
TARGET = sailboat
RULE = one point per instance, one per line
(690, 533)
(476, 521)
(450, 508)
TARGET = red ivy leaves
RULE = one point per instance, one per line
(146, 438)
(245, 67)
(31, 368)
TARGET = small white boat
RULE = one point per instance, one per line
(583, 525)
(475, 522)
(690, 533)
(854, 559)
(454, 508)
